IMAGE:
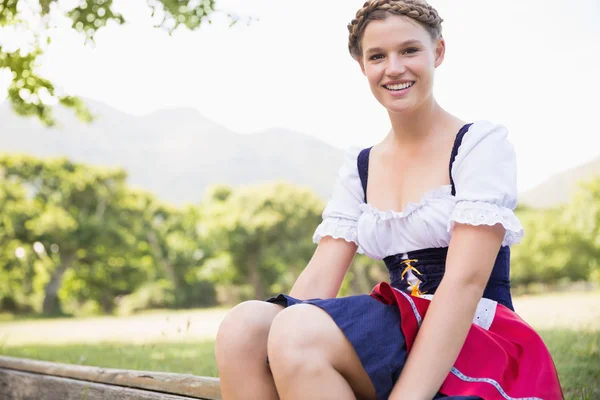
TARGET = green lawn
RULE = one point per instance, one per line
(576, 354)
(196, 358)
(573, 338)
(577, 358)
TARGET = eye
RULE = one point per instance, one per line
(375, 57)
(411, 50)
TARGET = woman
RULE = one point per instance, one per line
(455, 183)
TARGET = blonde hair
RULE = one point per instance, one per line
(374, 10)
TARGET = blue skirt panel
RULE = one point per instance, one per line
(373, 329)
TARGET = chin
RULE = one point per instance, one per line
(406, 105)
(400, 108)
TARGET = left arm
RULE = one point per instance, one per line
(471, 256)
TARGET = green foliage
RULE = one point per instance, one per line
(76, 236)
(560, 244)
(363, 275)
(552, 249)
(8, 11)
(76, 240)
(89, 16)
(261, 235)
(584, 211)
(158, 294)
(189, 13)
(33, 95)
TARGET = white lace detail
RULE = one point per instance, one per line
(337, 228)
(484, 213)
(440, 192)
(486, 311)
(484, 315)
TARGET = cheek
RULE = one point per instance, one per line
(423, 67)
(374, 75)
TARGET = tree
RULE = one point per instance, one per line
(17, 261)
(561, 243)
(583, 212)
(76, 213)
(31, 94)
(552, 249)
(75, 239)
(261, 235)
(171, 239)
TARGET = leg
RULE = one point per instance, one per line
(241, 352)
(312, 359)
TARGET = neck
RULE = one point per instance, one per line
(416, 125)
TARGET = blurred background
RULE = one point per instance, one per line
(163, 160)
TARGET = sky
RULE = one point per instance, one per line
(530, 65)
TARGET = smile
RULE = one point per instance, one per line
(398, 87)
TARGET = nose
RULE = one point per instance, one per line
(395, 66)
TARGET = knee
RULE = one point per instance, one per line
(295, 337)
(244, 328)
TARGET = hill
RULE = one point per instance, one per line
(175, 153)
(559, 188)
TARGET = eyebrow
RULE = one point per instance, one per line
(403, 44)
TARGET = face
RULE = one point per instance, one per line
(399, 60)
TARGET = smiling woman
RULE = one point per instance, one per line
(374, 44)
(435, 201)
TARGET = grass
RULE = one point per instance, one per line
(577, 358)
(568, 323)
(576, 354)
(195, 358)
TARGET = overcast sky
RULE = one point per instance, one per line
(531, 65)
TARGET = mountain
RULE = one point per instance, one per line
(559, 188)
(175, 153)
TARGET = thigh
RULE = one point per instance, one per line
(374, 331)
(241, 351)
(305, 327)
(244, 330)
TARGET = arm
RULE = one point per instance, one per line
(471, 256)
(336, 236)
(323, 276)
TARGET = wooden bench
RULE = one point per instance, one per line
(23, 379)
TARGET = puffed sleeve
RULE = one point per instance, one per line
(340, 217)
(485, 178)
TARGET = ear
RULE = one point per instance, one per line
(440, 52)
(362, 67)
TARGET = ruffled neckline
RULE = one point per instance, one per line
(411, 207)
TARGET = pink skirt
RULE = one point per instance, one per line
(507, 361)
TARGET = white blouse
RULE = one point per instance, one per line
(485, 178)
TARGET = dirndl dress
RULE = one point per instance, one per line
(503, 357)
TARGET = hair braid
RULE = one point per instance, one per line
(418, 10)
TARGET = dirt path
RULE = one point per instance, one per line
(160, 326)
(566, 311)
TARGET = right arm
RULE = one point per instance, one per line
(324, 274)
(336, 236)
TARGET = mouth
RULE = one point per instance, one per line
(399, 86)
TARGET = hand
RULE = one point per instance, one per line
(400, 393)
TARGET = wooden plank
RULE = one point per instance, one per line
(18, 385)
(179, 384)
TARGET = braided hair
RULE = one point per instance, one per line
(374, 10)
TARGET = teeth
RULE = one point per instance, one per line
(400, 86)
